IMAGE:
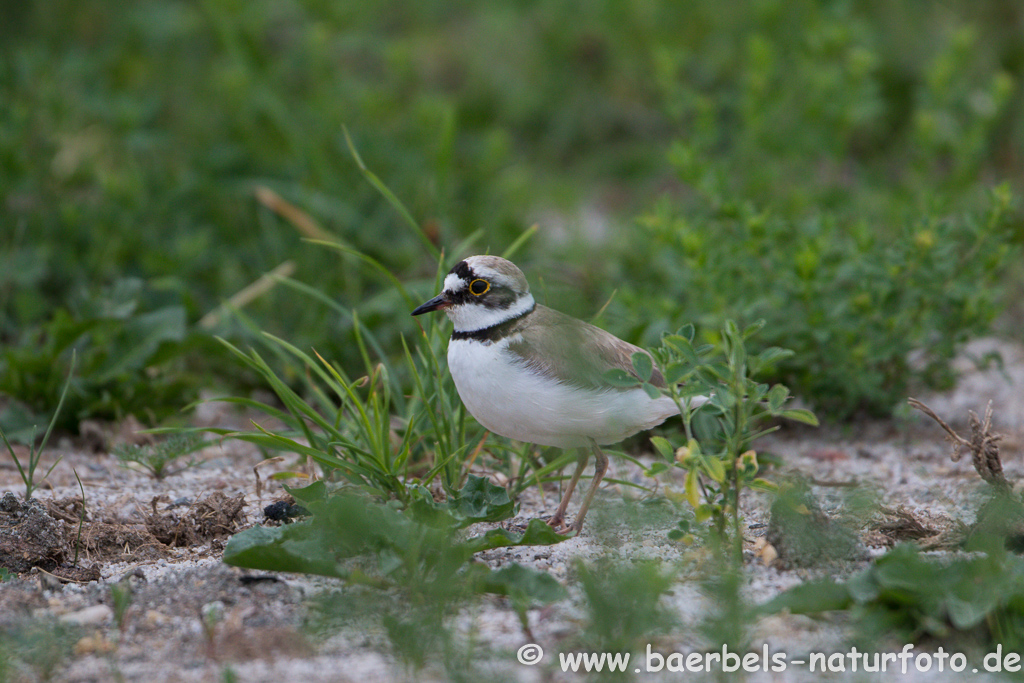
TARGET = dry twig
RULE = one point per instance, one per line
(983, 444)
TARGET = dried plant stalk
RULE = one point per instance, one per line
(983, 444)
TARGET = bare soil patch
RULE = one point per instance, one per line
(190, 616)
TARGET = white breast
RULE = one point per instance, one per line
(512, 400)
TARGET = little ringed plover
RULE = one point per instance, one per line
(530, 373)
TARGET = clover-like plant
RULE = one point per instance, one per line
(717, 454)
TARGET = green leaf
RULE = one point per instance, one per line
(685, 349)
(523, 585)
(280, 549)
(618, 377)
(754, 328)
(651, 390)
(812, 597)
(769, 357)
(675, 373)
(139, 340)
(537, 532)
(518, 242)
(479, 500)
(664, 447)
(966, 614)
(715, 468)
(656, 469)
(776, 397)
(862, 586)
(800, 415)
(643, 365)
(764, 485)
(692, 489)
(724, 398)
(314, 493)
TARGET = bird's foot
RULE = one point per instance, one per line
(557, 522)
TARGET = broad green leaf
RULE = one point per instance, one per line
(724, 398)
(537, 532)
(643, 365)
(862, 586)
(280, 549)
(618, 377)
(966, 614)
(676, 372)
(776, 397)
(715, 468)
(812, 597)
(523, 584)
(703, 513)
(315, 492)
(664, 447)
(140, 338)
(656, 469)
(479, 500)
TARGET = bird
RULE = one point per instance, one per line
(530, 373)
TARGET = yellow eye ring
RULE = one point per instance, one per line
(479, 287)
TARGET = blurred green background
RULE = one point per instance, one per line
(850, 171)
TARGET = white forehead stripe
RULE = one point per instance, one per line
(453, 283)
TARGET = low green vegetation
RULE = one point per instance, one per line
(825, 172)
(624, 604)
(809, 172)
(975, 601)
(416, 556)
(27, 470)
(131, 341)
(160, 459)
(36, 648)
(716, 453)
(868, 313)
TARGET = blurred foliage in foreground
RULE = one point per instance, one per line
(829, 169)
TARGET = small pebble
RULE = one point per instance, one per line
(90, 616)
(93, 645)
(153, 619)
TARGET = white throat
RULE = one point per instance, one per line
(472, 316)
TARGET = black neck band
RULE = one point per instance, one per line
(494, 332)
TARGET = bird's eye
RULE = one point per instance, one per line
(479, 287)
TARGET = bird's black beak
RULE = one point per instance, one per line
(439, 301)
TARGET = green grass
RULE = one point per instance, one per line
(816, 165)
(135, 143)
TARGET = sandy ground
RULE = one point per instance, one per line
(192, 618)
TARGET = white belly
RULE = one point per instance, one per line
(514, 401)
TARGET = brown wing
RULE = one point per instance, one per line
(573, 351)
